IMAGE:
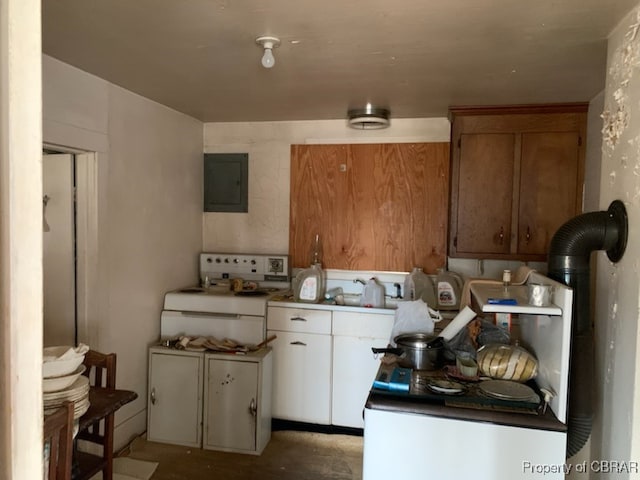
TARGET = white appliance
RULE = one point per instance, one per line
(406, 437)
(217, 401)
(213, 309)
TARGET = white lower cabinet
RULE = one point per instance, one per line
(174, 413)
(302, 364)
(354, 364)
(302, 377)
(237, 399)
(323, 364)
(229, 394)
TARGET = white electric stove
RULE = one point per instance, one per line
(214, 309)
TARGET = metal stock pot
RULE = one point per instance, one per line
(419, 351)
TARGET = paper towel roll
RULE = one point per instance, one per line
(458, 323)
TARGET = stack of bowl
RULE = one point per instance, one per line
(62, 379)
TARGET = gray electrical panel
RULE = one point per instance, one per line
(226, 177)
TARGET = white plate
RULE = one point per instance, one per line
(77, 390)
(79, 408)
(507, 390)
(446, 386)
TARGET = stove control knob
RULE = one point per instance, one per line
(253, 262)
(226, 260)
(235, 260)
(218, 260)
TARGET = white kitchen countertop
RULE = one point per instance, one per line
(330, 307)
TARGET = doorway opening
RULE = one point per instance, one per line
(59, 248)
(70, 246)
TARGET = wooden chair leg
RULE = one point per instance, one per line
(108, 447)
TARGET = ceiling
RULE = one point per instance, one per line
(414, 57)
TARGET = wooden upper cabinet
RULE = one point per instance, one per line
(516, 177)
(380, 207)
(485, 195)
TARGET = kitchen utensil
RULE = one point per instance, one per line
(263, 343)
(419, 351)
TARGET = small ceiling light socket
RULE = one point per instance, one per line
(368, 118)
(268, 43)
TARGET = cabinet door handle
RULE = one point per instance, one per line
(501, 236)
(253, 407)
(528, 235)
(298, 342)
(153, 396)
(298, 319)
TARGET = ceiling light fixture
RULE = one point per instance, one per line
(268, 43)
(368, 118)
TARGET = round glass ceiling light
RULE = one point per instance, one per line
(368, 118)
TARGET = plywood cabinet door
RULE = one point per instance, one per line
(549, 193)
(379, 207)
(485, 193)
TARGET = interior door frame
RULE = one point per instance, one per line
(87, 260)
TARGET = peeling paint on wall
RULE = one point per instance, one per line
(625, 60)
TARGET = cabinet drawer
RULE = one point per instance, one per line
(299, 320)
(363, 325)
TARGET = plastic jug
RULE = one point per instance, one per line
(419, 285)
(448, 289)
(309, 285)
(372, 294)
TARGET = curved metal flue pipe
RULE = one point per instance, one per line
(569, 255)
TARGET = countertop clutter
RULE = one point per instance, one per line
(479, 426)
(445, 393)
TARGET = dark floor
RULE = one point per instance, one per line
(290, 455)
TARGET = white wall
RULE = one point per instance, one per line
(148, 184)
(616, 433)
(265, 228)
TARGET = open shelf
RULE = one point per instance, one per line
(484, 292)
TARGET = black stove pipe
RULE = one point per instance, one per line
(569, 257)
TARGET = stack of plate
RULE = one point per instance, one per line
(78, 393)
(62, 378)
(509, 390)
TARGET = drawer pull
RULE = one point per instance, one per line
(153, 396)
(298, 342)
(298, 319)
